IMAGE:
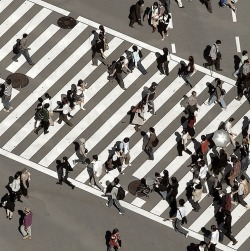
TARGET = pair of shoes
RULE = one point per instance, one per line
(131, 26)
(234, 202)
(154, 114)
(20, 200)
(122, 173)
(46, 132)
(7, 216)
(234, 10)
(124, 88)
(234, 243)
(195, 210)
(121, 213)
(224, 109)
(83, 108)
(129, 164)
(73, 187)
(14, 59)
(59, 183)
(182, 7)
(205, 103)
(6, 110)
(25, 237)
(32, 64)
(95, 64)
(163, 38)
(10, 218)
(107, 204)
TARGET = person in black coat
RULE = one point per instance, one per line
(66, 169)
(227, 227)
(135, 13)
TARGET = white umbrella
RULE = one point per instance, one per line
(221, 138)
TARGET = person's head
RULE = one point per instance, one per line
(115, 231)
(65, 100)
(203, 244)
(155, 5)
(151, 130)
(25, 170)
(157, 175)
(80, 82)
(134, 48)
(122, 58)
(181, 202)
(65, 159)
(8, 81)
(222, 151)
(174, 180)
(244, 141)
(126, 140)
(46, 106)
(87, 161)
(202, 162)
(165, 50)
(25, 35)
(154, 84)
(116, 180)
(95, 157)
(140, 105)
(46, 95)
(213, 228)
(231, 120)
(194, 93)
(82, 140)
(17, 176)
(165, 173)
(191, 59)
(101, 36)
(218, 42)
(198, 186)
(26, 210)
(244, 53)
(101, 28)
(143, 134)
(242, 177)
(203, 137)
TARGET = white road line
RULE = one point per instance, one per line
(138, 202)
(14, 17)
(29, 27)
(171, 141)
(43, 139)
(35, 46)
(98, 193)
(171, 21)
(4, 4)
(173, 48)
(234, 16)
(237, 41)
(128, 131)
(92, 116)
(154, 49)
(56, 50)
(51, 7)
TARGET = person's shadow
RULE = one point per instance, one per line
(236, 62)
(180, 146)
(206, 53)
(21, 218)
(107, 238)
(145, 14)
(211, 88)
(11, 179)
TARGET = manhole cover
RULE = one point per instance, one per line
(66, 22)
(132, 188)
(18, 80)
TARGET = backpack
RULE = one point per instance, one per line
(120, 194)
(155, 142)
(16, 47)
(140, 54)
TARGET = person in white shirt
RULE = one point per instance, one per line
(203, 174)
(125, 150)
(181, 213)
(97, 169)
(228, 127)
(214, 238)
(65, 110)
(47, 100)
(80, 93)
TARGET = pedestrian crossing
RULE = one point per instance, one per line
(62, 58)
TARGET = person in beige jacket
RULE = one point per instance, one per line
(25, 179)
(197, 193)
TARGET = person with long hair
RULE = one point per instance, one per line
(138, 119)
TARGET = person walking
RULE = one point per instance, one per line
(203, 174)
(27, 223)
(125, 150)
(23, 50)
(136, 59)
(16, 187)
(25, 182)
(135, 13)
(197, 193)
(153, 16)
(178, 219)
(80, 93)
(244, 149)
(66, 169)
(218, 95)
(244, 57)
(117, 160)
(214, 56)
(163, 26)
(6, 89)
(138, 119)
(189, 70)
(45, 120)
(214, 238)
(81, 152)
(113, 196)
(226, 200)
(64, 112)
(184, 139)
(149, 98)
(172, 192)
(59, 170)
(47, 100)
(10, 206)
(191, 104)
(98, 51)
(232, 135)
(150, 144)
(163, 62)
(97, 168)
(118, 71)
(204, 147)
(115, 240)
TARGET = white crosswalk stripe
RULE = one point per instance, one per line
(99, 126)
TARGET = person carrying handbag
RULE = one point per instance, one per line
(115, 240)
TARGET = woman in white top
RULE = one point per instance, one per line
(164, 24)
(181, 213)
(138, 119)
(80, 91)
(47, 100)
(214, 238)
(16, 186)
(154, 15)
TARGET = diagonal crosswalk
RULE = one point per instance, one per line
(104, 122)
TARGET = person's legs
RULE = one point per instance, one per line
(179, 2)
(151, 106)
(230, 4)
(151, 154)
(29, 231)
(212, 99)
(27, 56)
(131, 23)
(94, 58)
(127, 158)
(120, 80)
(241, 200)
(65, 119)
(23, 231)
(141, 68)
(97, 183)
(6, 102)
(222, 102)
(17, 56)
(120, 208)
(179, 228)
(217, 64)
(166, 69)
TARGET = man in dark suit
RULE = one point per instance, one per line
(149, 146)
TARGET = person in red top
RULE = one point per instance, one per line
(190, 125)
(204, 147)
(115, 240)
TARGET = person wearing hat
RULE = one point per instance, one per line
(82, 151)
(150, 96)
(26, 226)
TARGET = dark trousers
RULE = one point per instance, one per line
(63, 117)
(149, 152)
(119, 79)
(179, 228)
(215, 62)
(65, 180)
(241, 200)
(44, 125)
(163, 68)
(196, 205)
(132, 21)
(141, 68)
(212, 247)
(229, 235)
